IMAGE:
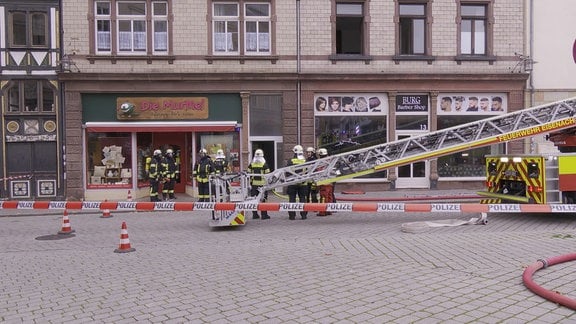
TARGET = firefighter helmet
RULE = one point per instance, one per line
(220, 154)
(322, 152)
(310, 149)
(169, 151)
(298, 149)
(203, 151)
(259, 153)
(157, 152)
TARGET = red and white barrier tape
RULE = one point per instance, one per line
(374, 207)
(16, 177)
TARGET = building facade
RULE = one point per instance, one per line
(241, 75)
(32, 141)
(550, 59)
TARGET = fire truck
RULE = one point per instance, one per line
(534, 179)
(510, 178)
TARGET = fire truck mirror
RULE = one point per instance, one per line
(533, 170)
(492, 170)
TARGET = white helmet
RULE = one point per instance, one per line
(203, 151)
(169, 151)
(322, 152)
(310, 149)
(220, 154)
(157, 152)
(298, 149)
(259, 153)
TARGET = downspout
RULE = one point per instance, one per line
(298, 70)
(530, 78)
(61, 108)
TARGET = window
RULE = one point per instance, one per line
(109, 159)
(349, 28)
(473, 30)
(253, 25)
(137, 22)
(412, 29)
(28, 29)
(31, 96)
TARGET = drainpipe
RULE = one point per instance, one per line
(530, 61)
(62, 189)
(298, 84)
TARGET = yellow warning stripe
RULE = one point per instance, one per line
(503, 196)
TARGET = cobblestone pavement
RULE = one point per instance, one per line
(344, 268)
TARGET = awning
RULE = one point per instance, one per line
(208, 126)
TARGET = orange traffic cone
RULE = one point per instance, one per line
(129, 198)
(106, 213)
(66, 228)
(124, 241)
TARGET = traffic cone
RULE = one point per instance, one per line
(106, 213)
(66, 228)
(124, 241)
(129, 198)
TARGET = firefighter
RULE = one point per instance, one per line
(299, 190)
(155, 174)
(220, 162)
(312, 189)
(203, 168)
(258, 166)
(169, 175)
(326, 190)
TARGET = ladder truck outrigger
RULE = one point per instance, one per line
(547, 118)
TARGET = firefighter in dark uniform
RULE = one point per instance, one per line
(170, 168)
(258, 166)
(299, 190)
(202, 170)
(220, 163)
(312, 188)
(155, 174)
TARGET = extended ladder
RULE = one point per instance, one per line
(498, 129)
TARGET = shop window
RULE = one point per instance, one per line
(412, 27)
(229, 142)
(136, 22)
(232, 21)
(30, 96)
(458, 109)
(28, 29)
(347, 122)
(109, 162)
(144, 155)
(350, 28)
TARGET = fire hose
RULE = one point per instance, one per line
(552, 296)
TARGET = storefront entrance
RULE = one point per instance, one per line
(176, 142)
(413, 175)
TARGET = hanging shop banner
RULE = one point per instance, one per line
(346, 103)
(472, 103)
(411, 103)
(161, 108)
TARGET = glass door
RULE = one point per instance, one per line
(414, 175)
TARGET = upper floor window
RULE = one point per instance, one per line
(412, 29)
(349, 28)
(30, 96)
(141, 26)
(473, 29)
(233, 21)
(28, 29)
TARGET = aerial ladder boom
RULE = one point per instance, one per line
(497, 129)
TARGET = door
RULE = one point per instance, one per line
(177, 142)
(413, 175)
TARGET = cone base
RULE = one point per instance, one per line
(66, 232)
(125, 250)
